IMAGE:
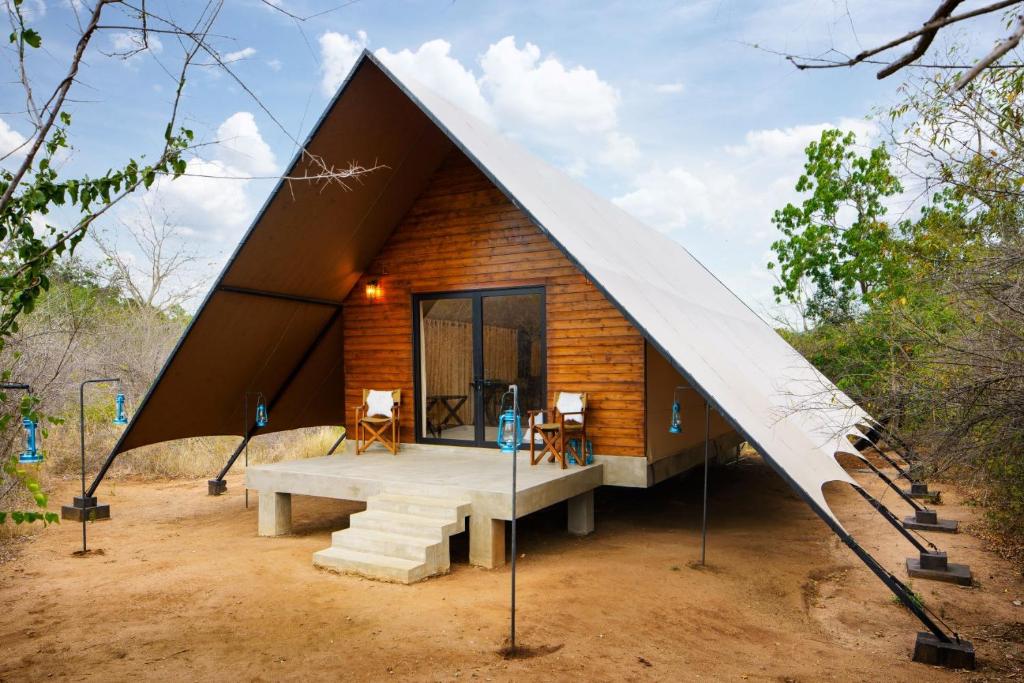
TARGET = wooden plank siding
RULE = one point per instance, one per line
(463, 234)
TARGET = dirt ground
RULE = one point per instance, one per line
(182, 588)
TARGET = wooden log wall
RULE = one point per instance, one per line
(463, 234)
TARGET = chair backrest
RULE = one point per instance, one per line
(396, 395)
(558, 394)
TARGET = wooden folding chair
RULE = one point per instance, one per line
(558, 434)
(382, 429)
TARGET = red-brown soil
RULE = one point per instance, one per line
(184, 589)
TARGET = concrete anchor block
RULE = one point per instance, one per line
(936, 566)
(954, 655)
(928, 520)
(919, 490)
(85, 509)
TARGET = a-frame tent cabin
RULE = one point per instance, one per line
(465, 258)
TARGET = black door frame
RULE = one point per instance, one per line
(476, 296)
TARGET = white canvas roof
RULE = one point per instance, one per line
(795, 417)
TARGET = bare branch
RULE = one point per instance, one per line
(925, 39)
(994, 56)
(941, 18)
(55, 103)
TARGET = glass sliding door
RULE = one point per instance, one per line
(513, 353)
(470, 346)
(448, 404)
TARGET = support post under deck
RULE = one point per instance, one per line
(275, 513)
(486, 542)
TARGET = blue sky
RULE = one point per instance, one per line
(660, 106)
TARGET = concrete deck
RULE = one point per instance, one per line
(478, 475)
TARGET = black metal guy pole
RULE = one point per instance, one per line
(892, 519)
(878, 449)
(338, 442)
(515, 452)
(891, 484)
(704, 515)
(81, 434)
(245, 425)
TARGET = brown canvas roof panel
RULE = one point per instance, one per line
(272, 321)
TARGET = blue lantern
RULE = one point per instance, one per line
(31, 454)
(676, 426)
(261, 414)
(120, 418)
(510, 431)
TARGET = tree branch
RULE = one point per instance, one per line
(54, 106)
(996, 54)
(941, 18)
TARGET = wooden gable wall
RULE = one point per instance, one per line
(462, 233)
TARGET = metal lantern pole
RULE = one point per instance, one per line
(675, 427)
(245, 424)
(515, 452)
(704, 515)
(81, 434)
(247, 427)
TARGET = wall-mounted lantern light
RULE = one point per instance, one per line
(374, 291)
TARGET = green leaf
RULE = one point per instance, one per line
(32, 37)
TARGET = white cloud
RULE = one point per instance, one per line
(567, 113)
(735, 192)
(34, 10)
(723, 203)
(669, 88)
(10, 140)
(244, 53)
(204, 200)
(792, 141)
(528, 91)
(433, 66)
(213, 201)
(274, 64)
(338, 52)
(668, 199)
(242, 147)
(620, 150)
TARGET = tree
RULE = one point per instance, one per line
(166, 277)
(33, 190)
(838, 239)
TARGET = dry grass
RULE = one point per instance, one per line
(181, 459)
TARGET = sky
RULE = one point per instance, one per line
(669, 109)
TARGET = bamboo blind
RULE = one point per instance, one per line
(448, 354)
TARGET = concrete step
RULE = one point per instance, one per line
(406, 525)
(420, 506)
(370, 565)
(399, 537)
(424, 550)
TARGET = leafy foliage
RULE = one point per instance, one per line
(838, 239)
(924, 321)
(30, 245)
